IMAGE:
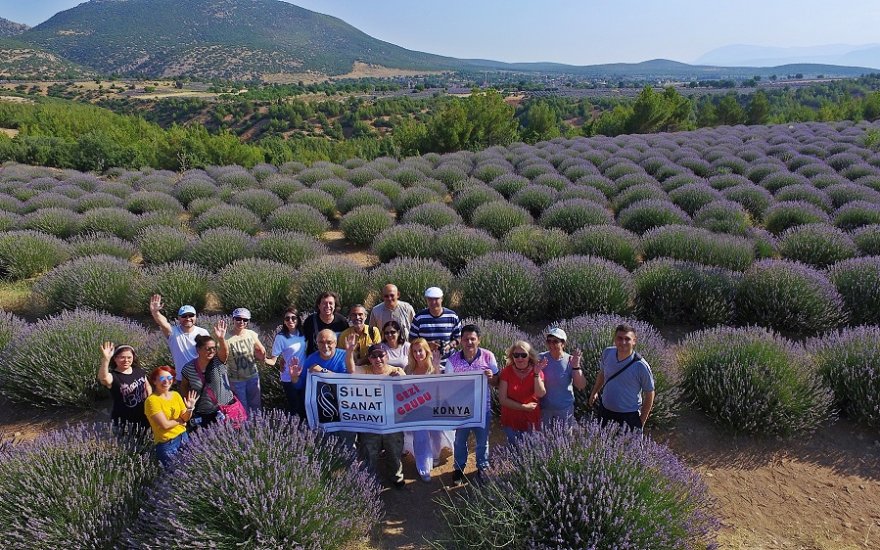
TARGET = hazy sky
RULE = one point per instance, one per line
(578, 32)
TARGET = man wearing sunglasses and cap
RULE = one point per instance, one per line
(182, 336)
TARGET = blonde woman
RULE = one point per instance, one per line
(520, 389)
(425, 445)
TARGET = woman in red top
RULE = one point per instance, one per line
(520, 388)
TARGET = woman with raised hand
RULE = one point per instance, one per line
(127, 383)
(207, 375)
(245, 350)
(395, 345)
(520, 388)
(168, 414)
(289, 355)
(562, 376)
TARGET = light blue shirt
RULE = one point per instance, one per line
(624, 393)
(557, 381)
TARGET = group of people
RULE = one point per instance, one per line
(218, 376)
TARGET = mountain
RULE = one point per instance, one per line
(216, 38)
(10, 28)
(865, 55)
(23, 61)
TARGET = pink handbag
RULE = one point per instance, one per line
(233, 412)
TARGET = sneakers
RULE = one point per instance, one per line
(458, 477)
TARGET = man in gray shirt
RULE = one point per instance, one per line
(625, 382)
(392, 308)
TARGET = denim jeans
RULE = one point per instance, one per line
(460, 448)
(248, 392)
(554, 416)
(165, 451)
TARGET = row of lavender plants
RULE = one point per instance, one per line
(748, 379)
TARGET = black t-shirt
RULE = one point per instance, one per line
(313, 325)
(129, 393)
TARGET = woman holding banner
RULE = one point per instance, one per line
(425, 445)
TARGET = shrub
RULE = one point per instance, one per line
(583, 192)
(534, 198)
(364, 223)
(698, 245)
(141, 202)
(536, 243)
(24, 254)
(228, 216)
(434, 215)
(496, 336)
(199, 206)
(593, 333)
(576, 285)
(692, 197)
(755, 199)
(637, 193)
(753, 381)
(8, 221)
(10, 204)
(726, 181)
(216, 248)
(59, 222)
(780, 180)
(674, 291)
(489, 172)
(853, 215)
(455, 246)
(574, 214)
(647, 214)
(784, 215)
(407, 240)
(847, 361)
(389, 188)
(412, 276)
(259, 201)
(816, 244)
(188, 190)
(607, 241)
(789, 297)
(499, 217)
(806, 193)
(263, 286)
(858, 282)
(97, 244)
(30, 368)
(177, 283)
(289, 247)
(90, 510)
(48, 200)
(415, 196)
(521, 499)
(603, 184)
(467, 200)
(113, 221)
(508, 184)
(282, 185)
(314, 483)
(501, 285)
(301, 218)
(321, 201)
(336, 187)
(10, 327)
(867, 239)
(161, 244)
(331, 273)
(101, 282)
(360, 197)
(723, 216)
(843, 193)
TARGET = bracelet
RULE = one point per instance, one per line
(575, 368)
(191, 410)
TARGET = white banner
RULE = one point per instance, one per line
(387, 404)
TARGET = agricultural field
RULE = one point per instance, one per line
(748, 258)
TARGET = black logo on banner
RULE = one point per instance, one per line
(328, 403)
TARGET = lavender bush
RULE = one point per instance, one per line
(843, 193)
(218, 247)
(199, 206)
(262, 286)
(113, 221)
(806, 193)
(259, 201)
(698, 245)
(190, 189)
(101, 282)
(300, 218)
(752, 381)
(227, 216)
(499, 217)
(360, 197)
(314, 482)
(60, 222)
(858, 282)
(847, 361)
(692, 197)
(455, 246)
(650, 213)
(784, 215)
(331, 273)
(534, 198)
(577, 285)
(289, 247)
(608, 241)
(11, 326)
(789, 297)
(177, 283)
(106, 478)
(321, 201)
(24, 254)
(412, 276)
(573, 214)
(755, 199)
(364, 223)
(508, 184)
(855, 214)
(97, 243)
(816, 244)
(723, 216)
(536, 243)
(415, 196)
(142, 202)
(432, 214)
(636, 193)
(160, 244)
(501, 285)
(867, 239)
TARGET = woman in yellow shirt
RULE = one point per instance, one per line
(168, 413)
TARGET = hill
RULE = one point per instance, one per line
(25, 62)
(11, 28)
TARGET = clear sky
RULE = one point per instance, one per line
(578, 32)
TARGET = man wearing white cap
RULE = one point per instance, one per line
(182, 336)
(562, 374)
(439, 325)
(245, 349)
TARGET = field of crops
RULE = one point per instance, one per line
(762, 242)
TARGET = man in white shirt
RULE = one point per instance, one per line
(182, 336)
(392, 308)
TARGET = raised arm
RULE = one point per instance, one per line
(156, 313)
(104, 376)
(540, 389)
(577, 372)
(350, 346)
(220, 336)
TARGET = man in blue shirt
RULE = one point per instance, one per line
(625, 382)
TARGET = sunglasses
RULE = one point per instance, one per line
(240, 319)
(165, 378)
(377, 355)
(187, 315)
(210, 349)
(290, 318)
(520, 355)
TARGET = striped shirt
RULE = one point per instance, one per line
(445, 327)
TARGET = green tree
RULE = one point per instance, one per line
(540, 123)
(758, 111)
(729, 110)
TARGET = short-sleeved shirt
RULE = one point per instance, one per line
(313, 325)
(443, 328)
(288, 347)
(336, 363)
(242, 363)
(403, 313)
(397, 357)
(365, 369)
(183, 346)
(624, 393)
(521, 390)
(557, 381)
(484, 359)
(173, 408)
(217, 379)
(129, 391)
(367, 338)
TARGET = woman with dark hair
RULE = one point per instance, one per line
(326, 316)
(127, 383)
(168, 414)
(207, 375)
(395, 345)
(289, 354)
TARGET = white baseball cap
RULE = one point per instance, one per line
(433, 292)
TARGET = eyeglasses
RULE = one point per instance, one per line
(290, 317)
(389, 295)
(519, 355)
(210, 349)
(240, 319)
(166, 378)
(187, 315)
(390, 332)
